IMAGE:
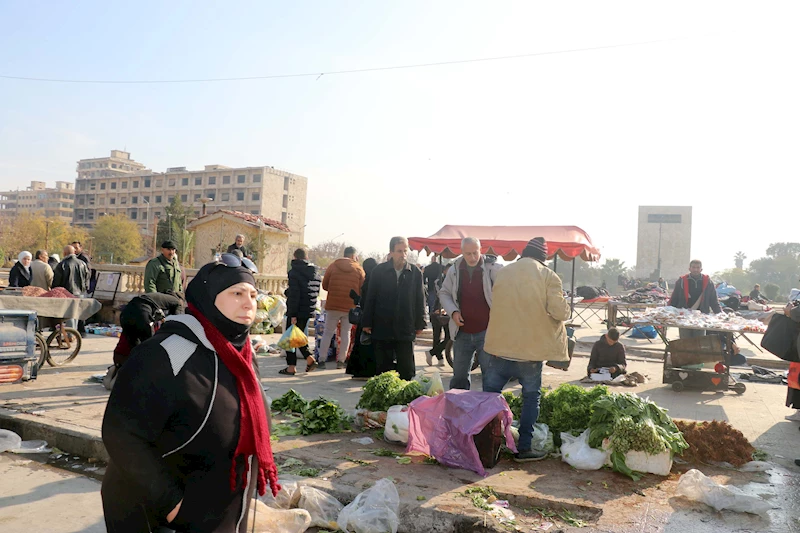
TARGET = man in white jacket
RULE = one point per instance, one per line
(466, 295)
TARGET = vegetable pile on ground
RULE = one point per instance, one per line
(317, 416)
(715, 442)
(568, 408)
(632, 424)
(383, 391)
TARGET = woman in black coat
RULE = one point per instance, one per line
(301, 301)
(20, 274)
(361, 364)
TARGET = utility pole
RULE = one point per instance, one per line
(155, 238)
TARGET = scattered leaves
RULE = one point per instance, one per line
(420, 498)
(404, 460)
(292, 401)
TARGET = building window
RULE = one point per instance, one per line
(102, 202)
(256, 178)
(240, 196)
(286, 183)
(226, 197)
(212, 180)
(211, 195)
(158, 199)
(146, 184)
(81, 201)
(135, 200)
(256, 197)
(184, 182)
(226, 180)
(158, 183)
(113, 186)
(112, 201)
(92, 186)
(240, 178)
(285, 201)
(134, 214)
(135, 185)
(102, 186)
(196, 197)
(184, 198)
(256, 212)
(80, 216)
(146, 199)
(124, 184)
(90, 215)
(171, 183)
(198, 181)
(157, 214)
(123, 200)
(283, 217)
(113, 165)
(170, 199)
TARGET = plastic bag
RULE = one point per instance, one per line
(542, 439)
(9, 440)
(32, 446)
(576, 452)
(396, 429)
(293, 338)
(375, 510)
(287, 497)
(264, 519)
(431, 385)
(323, 508)
(698, 487)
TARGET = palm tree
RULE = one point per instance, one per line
(738, 260)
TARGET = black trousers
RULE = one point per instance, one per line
(291, 356)
(399, 355)
(438, 343)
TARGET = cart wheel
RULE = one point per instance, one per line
(63, 348)
(448, 353)
(677, 386)
(739, 388)
(41, 349)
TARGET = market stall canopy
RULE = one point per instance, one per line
(568, 242)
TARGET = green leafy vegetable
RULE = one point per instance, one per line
(291, 401)
(383, 391)
(322, 416)
(307, 472)
(515, 404)
(568, 408)
(410, 392)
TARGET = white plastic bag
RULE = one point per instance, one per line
(431, 385)
(32, 446)
(396, 429)
(323, 508)
(265, 519)
(698, 487)
(9, 440)
(576, 452)
(287, 497)
(375, 510)
(542, 439)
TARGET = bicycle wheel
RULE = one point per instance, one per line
(63, 348)
(41, 349)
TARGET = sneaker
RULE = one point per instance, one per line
(321, 365)
(795, 417)
(340, 365)
(527, 456)
(429, 357)
(440, 363)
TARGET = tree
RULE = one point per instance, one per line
(176, 215)
(781, 266)
(738, 260)
(117, 237)
(325, 253)
(784, 249)
(31, 232)
(611, 271)
(739, 278)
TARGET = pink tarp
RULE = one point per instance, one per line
(568, 242)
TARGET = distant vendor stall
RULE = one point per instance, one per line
(565, 242)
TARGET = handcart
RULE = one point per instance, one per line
(63, 344)
(685, 361)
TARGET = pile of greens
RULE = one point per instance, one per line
(383, 391)
(568, 408)
(514, 403)
(292, 401)
(631, 423)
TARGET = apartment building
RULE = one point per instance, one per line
(117, 185)
(54, 203)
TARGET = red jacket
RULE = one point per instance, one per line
(341, 276)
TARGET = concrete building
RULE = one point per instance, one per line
(120, 185)
(54, 203)
(267, 239)
(665, 242)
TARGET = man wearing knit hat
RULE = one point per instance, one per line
(526, 328)
(466, 295)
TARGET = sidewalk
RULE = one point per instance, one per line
(62, 408)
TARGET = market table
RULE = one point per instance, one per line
(586, 309)
(625, 308)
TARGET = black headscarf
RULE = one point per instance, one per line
(368, 264)
(202, 292)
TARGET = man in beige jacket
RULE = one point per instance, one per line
(526, 327)
(41, 273)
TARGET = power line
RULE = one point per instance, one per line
(336, 72)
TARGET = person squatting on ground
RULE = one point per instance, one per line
(341, 277)
(301, 300)
(187, 423)
(526, 327)
(466, 296)
(608, 353)
(394, 311)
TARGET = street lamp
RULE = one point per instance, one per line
(147, 224)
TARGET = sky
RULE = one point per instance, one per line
(618, 104)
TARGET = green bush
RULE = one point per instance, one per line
(771, 291)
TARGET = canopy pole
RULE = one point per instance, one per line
(572, 290)
(555, 263)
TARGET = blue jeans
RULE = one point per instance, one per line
(465, 346)
(496, 373)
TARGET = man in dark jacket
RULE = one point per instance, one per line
(695, 290)
(301, 300)
(139, 320)
(394, 311)
(238, 244)
(71, 274)
(609, 353)
(430, 276)
(80, 254)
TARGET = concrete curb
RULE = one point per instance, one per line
(67, 437)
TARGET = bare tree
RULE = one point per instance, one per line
(325, 253)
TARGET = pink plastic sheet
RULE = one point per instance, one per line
(443, 426)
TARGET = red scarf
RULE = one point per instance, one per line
(253, 425)
(686, 287)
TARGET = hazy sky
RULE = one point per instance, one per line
(700, 107)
